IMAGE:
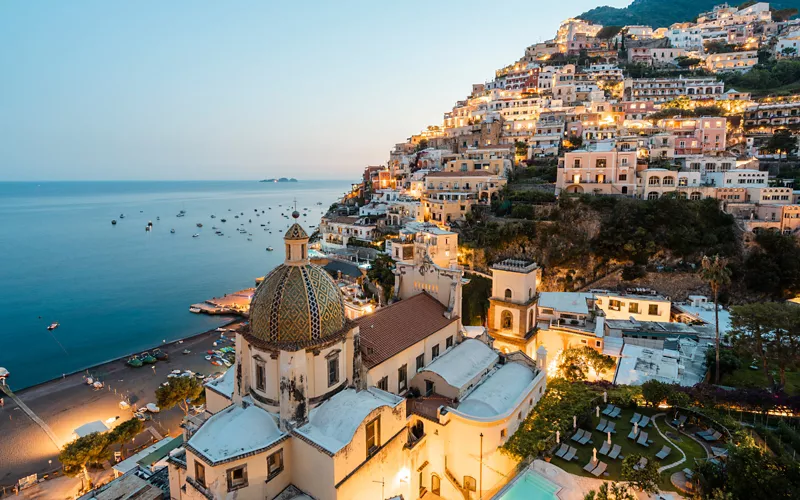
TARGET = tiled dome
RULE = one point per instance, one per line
(297, 302)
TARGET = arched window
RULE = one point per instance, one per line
(530, 319)
(654, 181)
(652, 195)
(669, 181)
(694, 196)
(508, 294)
(506, 320)
(530, 293)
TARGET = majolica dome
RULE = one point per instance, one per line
(298, 302)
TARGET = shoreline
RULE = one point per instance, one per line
(102, 364)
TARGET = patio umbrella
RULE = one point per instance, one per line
(609, 437)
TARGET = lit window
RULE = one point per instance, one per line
(373, 436)
(274, 464)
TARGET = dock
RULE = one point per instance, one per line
(237, 303)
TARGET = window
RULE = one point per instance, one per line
(614, 305)
(402, 378)
(435, 352)
(448, 342)
(333, 370)
(506, 320)
(429, 387)
(237, 478)
(420, 361)
(274, 464)
(600, 163)
(199, 473)
(470, 484)
(633, 307)
(373, 436)
(261, 378)
(383, 384)
(508, 294)
(652, 309)
(503, 433)
(576, 163)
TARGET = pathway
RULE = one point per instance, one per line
(46, 428)
(674, 464)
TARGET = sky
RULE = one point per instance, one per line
(193, 90)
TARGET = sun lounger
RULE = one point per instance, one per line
(713, 436)
(561, 451)
(577, 436)
(642, 439)
(665, 451)
(679, 421)
(605, 448)
(641, 464)
(587, 437)
(608, 409)
(590, 466)
(688, 473)
(602, 425)
(615, 451)
(572, 453)
(632, 434)
(600, 469)
(635, 418)
(611, 427)
(644, 421)
(616, 412)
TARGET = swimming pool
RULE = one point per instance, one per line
(530, 485)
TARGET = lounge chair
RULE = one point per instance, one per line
(641, 464)
(644, 421)
(600, 469)
(570, 454)
(713, 436)
(561, 451)
(665, 451)
(605, 448)
(602, 425)
(587, 438)
(679, 421)
(615, 451)
(635, 418)
(577, 436)
(616, 412)
(608, 409)
(633, 433)
(611, 427)
(590, 466)
(642, 439)
(688, 473)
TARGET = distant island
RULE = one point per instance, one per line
(282, 179)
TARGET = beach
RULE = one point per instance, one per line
(69, 402)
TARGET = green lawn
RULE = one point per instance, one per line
(689, 446)
(747, 378)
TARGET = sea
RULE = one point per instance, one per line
(119, 289)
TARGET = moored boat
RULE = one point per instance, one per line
(134, 361)
(148, 358)
(53, 326)
(160, 355)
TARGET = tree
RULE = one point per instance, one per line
(611, 491)
(729, 362)
(381, 272)
(521, 149)
(784, 14)
(782, 142)
(751, 325)
(642, 478)
(687, 62)
(655, 392)
(421, 145)
(126, 431)
(180, 391)
(789, 52)
(89, 449)
(574, 363)
(716, 273)
(678, 398)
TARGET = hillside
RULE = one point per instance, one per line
(658, 13)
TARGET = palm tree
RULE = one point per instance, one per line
(716, 273)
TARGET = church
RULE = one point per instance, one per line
(396, 404)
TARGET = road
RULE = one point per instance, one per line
(68, 403)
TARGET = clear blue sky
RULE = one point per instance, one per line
(241, 90)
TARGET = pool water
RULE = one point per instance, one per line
(530, 486)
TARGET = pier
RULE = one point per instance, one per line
(237, 303)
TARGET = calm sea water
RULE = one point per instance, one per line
(119, 289)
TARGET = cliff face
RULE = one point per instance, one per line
(661, 13)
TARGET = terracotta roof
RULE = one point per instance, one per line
(397, 327)
(471, 173)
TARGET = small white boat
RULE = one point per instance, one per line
(152, 408)
(187, 351)
(172, 231)
(53, 326)
(176, 372)
(226, 362)
(208, 357)
(89, 381)
(269, 249)
(194, 310)
(196, 235)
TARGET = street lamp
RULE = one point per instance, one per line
(480, 471)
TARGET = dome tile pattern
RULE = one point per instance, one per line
(296, 232)
(296, 304)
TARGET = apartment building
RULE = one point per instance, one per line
(731, 61)
(655, 56)
(496, 160)
(450, 195)
(601, 168)
(695, 136)
(768, 117)
(336, 231)
(661, 90)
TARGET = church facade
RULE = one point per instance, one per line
(398, 403)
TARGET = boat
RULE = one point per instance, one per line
(213, 216)
(249, 239)
(226, 362)
(134, 361)
(187, 351)
(216, 363)
(148, 358)
(194, 310)
(182, 212)
(113, 222)
(195, 235)
(223, 220)
(147, 228)
(179, 215)
(53, 326)
(269, 249)
(208, 357)
(199, 224)
(160, 355)
(158, 218)
(149, 223)
(172, 231)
